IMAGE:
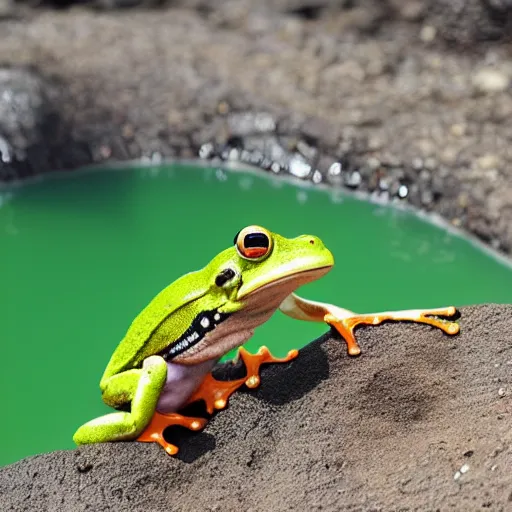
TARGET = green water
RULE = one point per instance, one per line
(81, 256)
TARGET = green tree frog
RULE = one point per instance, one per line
(164, 361)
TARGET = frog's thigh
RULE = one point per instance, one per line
(120, 389)
(120, 426)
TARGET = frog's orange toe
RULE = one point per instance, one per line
(346, 325)
(452, 328)
(154, 432)
(215, 394)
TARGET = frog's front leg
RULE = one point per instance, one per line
(345, 321)
(141, 387)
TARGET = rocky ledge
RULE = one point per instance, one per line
(421, 421)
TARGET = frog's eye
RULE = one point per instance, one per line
(253, 243)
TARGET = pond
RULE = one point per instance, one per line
(83, 254)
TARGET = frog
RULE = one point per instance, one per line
(166, 358)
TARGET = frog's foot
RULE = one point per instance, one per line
(215, 393)
(346, 323)
(154, 432)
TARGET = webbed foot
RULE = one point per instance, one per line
(215, 394)
(154, 432)
(345, 324)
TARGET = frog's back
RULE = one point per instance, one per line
(136, 343)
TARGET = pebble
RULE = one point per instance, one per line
(6, 8)
(430, 163)
(128, 131)
(299, 167)
(248, 123)
(206, 150)
(275, 167)
(354, 180)
(234, 154)
(428, 33)
(458, 129)
(383, 184)
(463, 469)
(488, 161)
(417, 163)
(373, 163)
(5, 151)
(223, 108)
(317, 177)
(412, 11)
(501, 392)
(403, 191)
(424, 175)
(427, 197)
(307, 151)
(375, 143)
(490, 80)
(335, 169)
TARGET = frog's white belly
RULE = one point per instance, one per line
(181, 382)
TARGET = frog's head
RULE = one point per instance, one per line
(249, 281)
(268, 261)
(266, 264)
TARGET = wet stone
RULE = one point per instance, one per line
(490, 80)
(319, 130)
(243, 124)
(34, 138)
(317, 177)
(207, 150)
(299, 167)
(383, 184)
(426, 197)
(335, 169)
(7, 9)
(353, 180)
(307, 151)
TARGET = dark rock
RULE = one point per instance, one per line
(7, 9)
(471, 21)
(33, 136)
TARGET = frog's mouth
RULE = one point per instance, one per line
(216, 336)
(305, 269)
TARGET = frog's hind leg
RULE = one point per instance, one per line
(345, 321)
(142, 387)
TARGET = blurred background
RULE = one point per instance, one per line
(381, 126)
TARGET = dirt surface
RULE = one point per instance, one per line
(400, 99)
(421, 421)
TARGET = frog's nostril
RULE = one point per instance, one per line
(311, 241)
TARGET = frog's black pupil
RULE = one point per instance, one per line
(256, 240)
(224, 276)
